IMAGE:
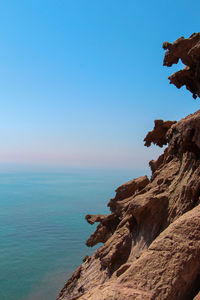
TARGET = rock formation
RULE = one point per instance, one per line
(158, 135)
(151, 238)
(188, 50)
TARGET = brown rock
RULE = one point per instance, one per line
(105, 229)
(188, 50)
(151, 239)
(127, 190)
(189, 139)
(158, 135)
(91, 219)
(169, 269)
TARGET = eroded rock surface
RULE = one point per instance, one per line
(188, 50)
(169, 269)
(151, 239)
(158, 135)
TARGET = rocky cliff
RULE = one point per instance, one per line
(188, 51)
(151, 238)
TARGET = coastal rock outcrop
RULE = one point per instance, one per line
(158, 135)
(169, 269)
(151, 238)
(188, 50)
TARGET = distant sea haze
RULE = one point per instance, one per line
(43, 231)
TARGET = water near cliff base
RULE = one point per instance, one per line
(42, 226)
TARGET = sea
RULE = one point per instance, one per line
(43, 228)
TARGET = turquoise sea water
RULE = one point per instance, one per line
(42, 226)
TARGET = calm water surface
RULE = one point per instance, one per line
(42, 227)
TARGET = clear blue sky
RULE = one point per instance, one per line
(82, 81)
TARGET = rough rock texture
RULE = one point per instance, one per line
(188, 50)
(152, 276)
(152, 236)
(158, 135)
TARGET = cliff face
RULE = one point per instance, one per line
(151, 238)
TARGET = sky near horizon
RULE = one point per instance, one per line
(81, 81)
